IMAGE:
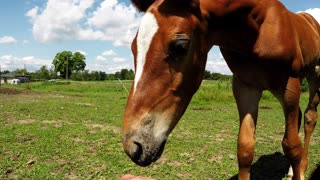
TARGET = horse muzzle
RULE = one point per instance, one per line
(143, 149)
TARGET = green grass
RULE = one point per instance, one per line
(72, 130)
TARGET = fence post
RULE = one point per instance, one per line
(123, 86)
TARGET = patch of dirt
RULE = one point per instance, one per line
(175, 163)
(100, 168)
(71, 176)
(11, 155)
(8, 91)
(223, 135)
(218, 158)
(10, 174)
(62, 162)
(84, 104)
(50, 122)
(24, 121)
(22, 138)
(185, 175)
(163, 160)
(115, 129)
(78, 140)
(103, 128)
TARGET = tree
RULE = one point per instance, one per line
(206, 74)
(78, 62)
(21, 71)
(130, 75)
(53, 74)
(5, 72)
(44, 73)
(124, 74)
(102, 76)
(66, 63)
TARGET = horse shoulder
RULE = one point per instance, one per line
(276, 34)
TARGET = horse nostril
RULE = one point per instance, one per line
(137, 152)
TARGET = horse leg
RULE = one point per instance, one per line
(247, 99)
(290, 171)
(291, 142)
(310, 118)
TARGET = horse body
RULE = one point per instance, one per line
(266, 47)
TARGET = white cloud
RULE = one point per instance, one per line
(101, 58)
(119, 60)
(33, 13)
(109, 53)
(7, 40)
(109, 68)
(110, 62)
(90, 34)
(31, 63)
(118, 21)
(315, 12)
(59, 20)
(216, 62)
(70, 19)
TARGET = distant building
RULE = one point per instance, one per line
(12, 78)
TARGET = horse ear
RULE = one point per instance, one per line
(142, 5)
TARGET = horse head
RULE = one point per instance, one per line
(170, 53)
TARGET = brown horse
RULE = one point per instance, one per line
(266, 47)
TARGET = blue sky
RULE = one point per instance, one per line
(33, 31)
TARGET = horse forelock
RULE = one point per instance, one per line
(142, 5)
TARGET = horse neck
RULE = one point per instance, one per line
(225, 7)
(230, 21)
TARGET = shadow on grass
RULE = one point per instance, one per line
(274, 167)
(316, 173)
(269, 167)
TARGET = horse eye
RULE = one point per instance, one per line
(179, 47)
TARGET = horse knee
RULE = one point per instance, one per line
(245, 153)
(310, 121)
(293, 150)
(245, 159)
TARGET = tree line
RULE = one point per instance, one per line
(216, 76)
(68, 65)
(44, 73)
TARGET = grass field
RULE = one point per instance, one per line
(72, 131)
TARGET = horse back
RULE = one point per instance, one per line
(308, 34)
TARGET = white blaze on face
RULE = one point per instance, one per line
(147, 30)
